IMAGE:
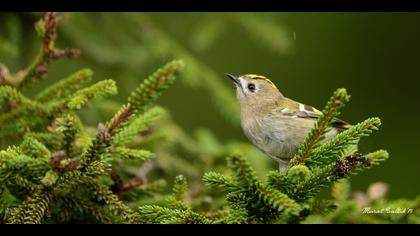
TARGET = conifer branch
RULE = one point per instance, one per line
(146, 94)
(375, 158)
(242, 170)
(247, 189)
(238, 212)
(177, 211)
(47, 29)
(81, 97)
(180, 187)
(34, 148)
(105, 195)
(66, 126)
(138, 125)
(336, 147)
(331, 110)
(25, 185)
(8, 93)
(138, 102)
(64, 86)
(164, 215)
(32, 210)
(326, 174)
(213, 179)
(127, 153)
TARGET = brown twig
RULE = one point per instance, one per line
(57, 164)
(47, 27)
(119, 188)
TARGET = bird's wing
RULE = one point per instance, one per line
(301, 110)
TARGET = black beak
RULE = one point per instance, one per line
(234, 78)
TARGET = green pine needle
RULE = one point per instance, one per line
(100, 89)
(146, 94)
(65, 86)
(331, 110)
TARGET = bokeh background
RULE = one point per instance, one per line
(375, 56)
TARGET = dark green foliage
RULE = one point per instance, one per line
(65, 86)
(331, 110)
(55, 168)
(59, 170)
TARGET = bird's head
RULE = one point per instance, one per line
(255, 90)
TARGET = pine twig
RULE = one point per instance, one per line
(146, 94)
(331, 110)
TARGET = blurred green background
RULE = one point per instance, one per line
(307, 55)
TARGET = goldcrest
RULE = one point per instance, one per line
(275, 124)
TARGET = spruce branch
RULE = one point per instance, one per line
(100, 89)
(104, 194)
(277, 200)
(324, 175)
(33, 210)
(25, 185)
(12, 161)
(51, 140)
(146, 94)
(47, 29)
(321, 177)
(127, 153)
(164, 215)
(278, 180)
(238, 212)
(138, 102)
(138, 125)
(242, 170)
(34, 148)
(99, 146)
(10, 94)
(213, 179)
(24, 112)
(331, 110)
(64, 86)
(377, 157)
(65, 125)
(73, 204)
(252, 192)
(329, 151)
(153, 214)
(180, 187)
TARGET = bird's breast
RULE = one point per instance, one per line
(278, 137)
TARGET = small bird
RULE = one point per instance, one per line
(275, 124)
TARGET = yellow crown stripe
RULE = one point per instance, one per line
(253, 76)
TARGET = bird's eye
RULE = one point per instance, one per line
(251, 87)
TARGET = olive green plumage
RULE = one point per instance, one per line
(274, 123)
